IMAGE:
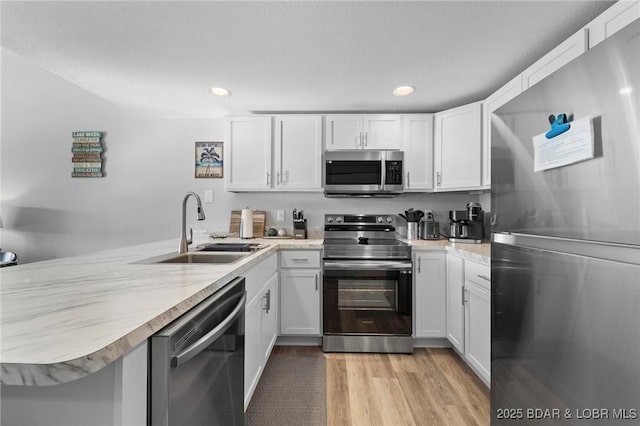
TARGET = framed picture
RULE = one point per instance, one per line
(209, 160)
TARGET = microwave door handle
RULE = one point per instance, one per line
(383, 175)
(210, 337)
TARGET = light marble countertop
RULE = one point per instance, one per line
(477, 252)
(63, 319)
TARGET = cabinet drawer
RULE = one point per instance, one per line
(477, 273)
(300, 259)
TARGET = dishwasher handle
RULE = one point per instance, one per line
(198, 346)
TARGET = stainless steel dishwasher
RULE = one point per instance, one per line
(196, 364)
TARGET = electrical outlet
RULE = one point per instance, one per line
(280, 215)
(208, 196)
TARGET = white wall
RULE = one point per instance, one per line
(149, 168)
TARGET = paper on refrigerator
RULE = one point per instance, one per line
(575, 145)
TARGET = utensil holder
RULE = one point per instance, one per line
(412, 230)
(300, 229)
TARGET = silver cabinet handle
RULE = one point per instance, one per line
(267, 301)
(419, 264)
(279, 173)
(360, 140)
(438, 178)
(366, 136)
(300, 259)
(268, 179)
(210, 337)
(463, 295)
(408, 184)
(316, 282)
(484, 277)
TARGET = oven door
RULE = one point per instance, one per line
(367, 297)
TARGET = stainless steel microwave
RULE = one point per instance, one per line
(363, 173)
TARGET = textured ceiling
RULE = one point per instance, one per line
(159, 58)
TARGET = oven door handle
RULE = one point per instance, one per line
(197, 347)
(362, 265)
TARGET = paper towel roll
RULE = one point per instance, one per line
(246, 223)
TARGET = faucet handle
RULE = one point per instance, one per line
(190, 239)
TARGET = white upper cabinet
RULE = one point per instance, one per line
(564, 53)
(296, 149)
(298, 153)
(382, 131)
(492, 103)
(417, 143)
(363, 131)
(458, 148)
(618, 16)
(247, 154)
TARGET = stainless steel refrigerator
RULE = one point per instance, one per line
(566, 246)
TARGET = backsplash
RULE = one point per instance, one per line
(316, 205)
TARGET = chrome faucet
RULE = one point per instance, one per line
(184, 242)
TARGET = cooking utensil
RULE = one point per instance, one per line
(412, 215)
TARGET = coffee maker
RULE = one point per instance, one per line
(467, 226)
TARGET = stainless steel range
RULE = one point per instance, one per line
(367, 285)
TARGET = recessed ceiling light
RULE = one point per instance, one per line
(403, 91)
(219, 91)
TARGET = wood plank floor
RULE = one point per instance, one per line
(430, 387)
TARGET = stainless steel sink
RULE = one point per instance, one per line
(197, 257)
(227, 247)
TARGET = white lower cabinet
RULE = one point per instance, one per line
(469, 313)
(261, 322)
(430, 299)
(478, 329)
(477, 282)
(455, 302)
(300, 281)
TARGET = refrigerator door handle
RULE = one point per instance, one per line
(625, 253)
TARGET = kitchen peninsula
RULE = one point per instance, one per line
(69, 321)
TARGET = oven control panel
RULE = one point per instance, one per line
(358, 219)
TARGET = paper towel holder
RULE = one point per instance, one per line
(246, 223)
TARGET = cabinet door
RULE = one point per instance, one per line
(455, 302)
(458, 148)
(492, 103)
(566, 51)
(269, 327)
(298, 152)
(300, 302)
(247, 154)
(616, 17)
(252, 351)
(417, 137)
(382, 131)
(478, 329)
(343, 131)
(430, 282)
